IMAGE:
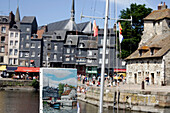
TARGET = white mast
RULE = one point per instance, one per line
(103, 56)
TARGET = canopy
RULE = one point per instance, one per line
(119, 70)
(27, 69)
(11, 69)
(2, 67)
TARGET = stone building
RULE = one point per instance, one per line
(14, 41)
(6, 22)
(152, 58)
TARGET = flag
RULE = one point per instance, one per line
(120, 33)
(95, 29)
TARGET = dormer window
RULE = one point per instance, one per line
(152, 51)
(140, 52)
(70, 42)
(4, 20)
(81, 45)
(58, 37)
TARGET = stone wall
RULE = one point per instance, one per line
(138, 70)
(134, 100)
(167, 67)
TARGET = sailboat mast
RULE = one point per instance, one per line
(103, 56)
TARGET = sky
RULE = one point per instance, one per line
(48, 11)
(54, 76)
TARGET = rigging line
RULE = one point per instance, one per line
(94, 7)
(9, 6)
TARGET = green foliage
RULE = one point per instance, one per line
(132, 33)
(35, 84)
(61, 88)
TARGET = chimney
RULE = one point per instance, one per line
(161, 7)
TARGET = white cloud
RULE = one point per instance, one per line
(59, 73)
(126, 3)
(53, 83)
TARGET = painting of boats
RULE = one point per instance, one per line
(58, 90)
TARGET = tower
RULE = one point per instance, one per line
(17, 15)
(72, 11)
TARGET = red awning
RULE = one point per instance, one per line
(119, 70)
(27, 69)
(31, 60)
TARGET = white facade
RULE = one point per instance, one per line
(13, 47)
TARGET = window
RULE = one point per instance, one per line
(58, 37)
(27, 37)
(21, 63)
(49, 46)
(3, 30)
(72, 50)
(101, 50)
(28, 29)
(107, 51)
(10, 52)
(81, 45)
(152, 51)
(72, 58)
(106, 61)
(26, 63)
(27, 45)
(55, 47)
(55, 56)
(10, 61)
(61, 57)
(2, 49)
(38, 54)
(22, 39)
(89, 61)
(1, 59)
(100, 61)
(2, 39)
(108, 42)
(140, 52)
(70, 42)
(15, 52)
(21, 46)
(101, 42)
(16, 35)
(16, 43)
(68, 50)
(15, 60)
(21, 54)
(89, 68)
(26, 54)
(32, 45)
(79, 51)
(90, 53)
(11, 34)
(33, 54)
(11, 43)
(39, 46)
(67, 58)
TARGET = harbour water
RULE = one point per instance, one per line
(19, 101)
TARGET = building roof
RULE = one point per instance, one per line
(4, 19)
(60, 25)
(72, 40)
(160, 42)
(28, 19)
(158, 14)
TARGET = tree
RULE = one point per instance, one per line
(132, 33)
(61, 88)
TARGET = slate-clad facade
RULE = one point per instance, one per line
(28, 27)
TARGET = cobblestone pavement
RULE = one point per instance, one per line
(136, 87)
